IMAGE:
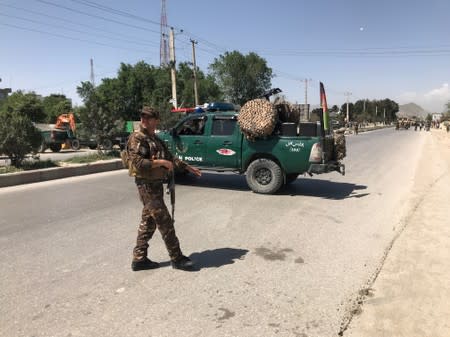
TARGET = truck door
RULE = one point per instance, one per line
(223, 148)
(190, 142)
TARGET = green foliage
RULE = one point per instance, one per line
(315, 115)
(446, 115)
(241, 77)
(208, 90)
(27, 104)
(55, 105)
(371, 110)
(334, 108)
(28, 165)
(137, 85)
(97, 116)
(429, 118)
(351, 109)
(93, 157)
(18, 136)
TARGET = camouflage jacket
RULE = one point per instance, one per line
(142, 149)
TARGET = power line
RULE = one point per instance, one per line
(96, 16)
(70, 38)
(346, 53)
(76, 23)
(74, 30)
(140, 18)
(114, 11)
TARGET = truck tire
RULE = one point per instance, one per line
(291, 177)
(107, 144)
(75, 144)
(55, 147)
(264, 176)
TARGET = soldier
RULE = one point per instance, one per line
(150, 162)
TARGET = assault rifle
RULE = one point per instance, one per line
(171, 191)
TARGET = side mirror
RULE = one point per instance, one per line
(173, 132)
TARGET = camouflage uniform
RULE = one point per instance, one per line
(143, 148)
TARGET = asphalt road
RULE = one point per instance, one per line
(291, 264)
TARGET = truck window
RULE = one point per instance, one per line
(194, 126)
(223, 127)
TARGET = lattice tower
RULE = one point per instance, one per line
(164, 44)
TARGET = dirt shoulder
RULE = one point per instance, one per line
(410, 295)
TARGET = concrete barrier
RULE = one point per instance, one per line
(26, 177)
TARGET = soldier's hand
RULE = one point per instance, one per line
(194, 171)
(167, 164)
(164, 163)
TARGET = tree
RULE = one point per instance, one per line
(351, 110)
(208, 90)
(446, 115)
(334, 108)
(55, 105)
(241, 77)
(372, 110)
(315, 115)
(18, 135)
(29, 104)
(97, 117)
(144, 84)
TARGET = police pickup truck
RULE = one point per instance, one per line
(214, 141)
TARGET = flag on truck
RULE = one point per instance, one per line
(323, 103)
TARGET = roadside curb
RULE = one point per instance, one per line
(19, 178)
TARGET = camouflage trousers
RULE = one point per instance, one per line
(155, 215)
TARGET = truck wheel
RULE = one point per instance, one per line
(291, 177)
(264, 176)
(55, 147)
(75, 144)
(107, 144)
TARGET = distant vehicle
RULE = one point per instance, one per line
(107, 143)
(60, 135)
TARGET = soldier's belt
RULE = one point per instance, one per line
(144, 181)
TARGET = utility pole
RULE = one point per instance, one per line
(348, 94)
(173, 68)
(164, 52)
(306, 97)
(194, 72)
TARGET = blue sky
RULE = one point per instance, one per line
(395, 49)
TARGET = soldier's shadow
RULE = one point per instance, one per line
(216, 257)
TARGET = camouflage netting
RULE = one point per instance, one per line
(257, 118)
(340, 149)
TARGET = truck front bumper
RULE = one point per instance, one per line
(325, 168)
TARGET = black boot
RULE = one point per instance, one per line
(183, 263)
(144, 264)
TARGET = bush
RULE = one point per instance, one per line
(18, 136)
